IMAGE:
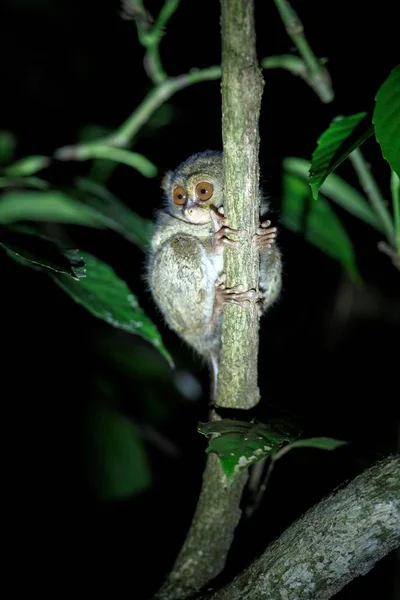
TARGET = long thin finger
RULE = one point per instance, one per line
(266, 231)
(230, 242)
(215, 221)
(236, 288)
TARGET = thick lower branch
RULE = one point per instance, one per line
(339, 539)
(204, 552)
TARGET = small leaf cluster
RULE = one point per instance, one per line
(310, 186)
(240, 444)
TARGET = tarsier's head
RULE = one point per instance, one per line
(195, 186)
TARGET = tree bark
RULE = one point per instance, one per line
(242, 86)
(339, 539)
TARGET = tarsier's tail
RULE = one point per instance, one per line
(213, 377)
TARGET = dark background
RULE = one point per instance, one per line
(329, 353)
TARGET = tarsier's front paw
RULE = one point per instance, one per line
(265, 236)
(222, 230)
(233, 295)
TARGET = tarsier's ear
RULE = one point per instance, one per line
(166, 181)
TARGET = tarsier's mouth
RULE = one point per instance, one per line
(197, 214)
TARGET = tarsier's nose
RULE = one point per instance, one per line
(190, 203)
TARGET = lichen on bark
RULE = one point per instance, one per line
(337, 540)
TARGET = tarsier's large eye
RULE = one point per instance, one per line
(204, 190)
(179, 195)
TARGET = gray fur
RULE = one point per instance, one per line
(183, 267)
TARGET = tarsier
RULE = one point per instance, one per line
(185, 260)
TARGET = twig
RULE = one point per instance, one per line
(151, 36)
(373, 193)
(260, 491)
(318, 76)
(394, 257)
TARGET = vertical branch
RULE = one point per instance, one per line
(242, 86)
(204, 552)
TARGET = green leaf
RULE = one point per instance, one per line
(24, 182)
(386, 119)
(8, 143)
(317, 222)
(343, 135)
(119, 155)
(116, 457)
(27, 166)
(101, 170)
(224, 426)
(132, 159)
(37, 249)
(321, 443)
(339, 191)
(45, 206)
(108, 297)
(240, 444)
(116, 214)
(91, 205)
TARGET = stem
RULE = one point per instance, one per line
(388, 250)
(151, 39)
(204, 552)
(153, 65)
(318, 76)
(395, 188)
(339, 539)
(260, 485)
(373, 193)
(242, 86)
(164, 16)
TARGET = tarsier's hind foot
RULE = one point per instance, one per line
(265, 236)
